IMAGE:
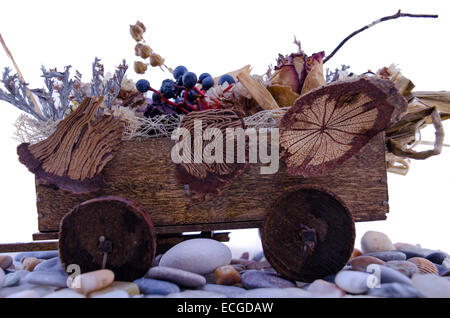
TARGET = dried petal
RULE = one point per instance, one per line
(156, 60)
(140, 67)
(290, 71)
(314, 68)
(283, 95)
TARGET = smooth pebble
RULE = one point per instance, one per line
(29, 293)
(65, 293)
(226, 275)
(118, 286)
(373, 241)
(91, 281)
(178, 276)
(353, 282)
(229, 291)
(258, 279)
(29, 263)
(47, 279)
(49, 265)
(196, 294)
(199, 256)
(291, 292)
(37, 254)
(5, 261)
(395, 290)
(155, 286)
(431, 286)
(322, 288)
(360, 263)
(389, 256)
(437, 258)
(11, 279)
(2, 277)
(389, 275)
(404, 267)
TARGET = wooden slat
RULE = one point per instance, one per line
(28, 246)
(142, 171)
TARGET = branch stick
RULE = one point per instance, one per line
(391, 17)
(8, 52)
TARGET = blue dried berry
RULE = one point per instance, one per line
(142, 85)
(179, 71)
(226, 78)
(207, 83)
(189, 80)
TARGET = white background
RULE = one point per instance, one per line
(217, 37)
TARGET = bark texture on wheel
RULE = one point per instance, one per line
(109, 232)
(308, 234)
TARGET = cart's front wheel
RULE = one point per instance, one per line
(308, 234)
(108, 232)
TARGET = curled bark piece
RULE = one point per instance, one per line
(397, 149)
(330, 124)
(73, 156)
(204, 179)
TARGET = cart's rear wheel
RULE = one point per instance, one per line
(108, 232)
(308, 234)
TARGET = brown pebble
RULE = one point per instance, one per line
(29, 263)
(360, 263)
(398, 246)
(424, 265)
(226, 275)
(355, 253)
(92, 281)
(404, 267)
(245, 256)
(5, 261)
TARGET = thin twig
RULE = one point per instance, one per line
(391, 17)
(19, 73)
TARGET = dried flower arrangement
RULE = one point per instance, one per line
(263, 99)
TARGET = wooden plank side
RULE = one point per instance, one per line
(143, 171)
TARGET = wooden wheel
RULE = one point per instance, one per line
(308, 234)
(108, 232)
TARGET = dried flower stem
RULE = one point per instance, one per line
(391, 17)
(30, 95)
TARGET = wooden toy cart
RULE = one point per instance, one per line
(145, 207)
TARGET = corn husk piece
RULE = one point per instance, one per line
(440, 100)
(283, 95)
(258, 92)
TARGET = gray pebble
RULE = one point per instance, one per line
(47, 279)
(389, 275)
(38, 254)
(154, 286)
(50, 265)
(395, 290)
(11, 279)
(258, 279)
(229, 291)
(178, 276)
(196, 294)
(388, 256)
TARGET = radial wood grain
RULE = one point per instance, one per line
(143, 172)
(328, 125)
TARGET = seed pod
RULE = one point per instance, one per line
(140, 67)
(156, 60)
(136, 32)
(145, 51)
(141, 25)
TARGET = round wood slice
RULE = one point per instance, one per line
(308, 234)
(127, 229)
